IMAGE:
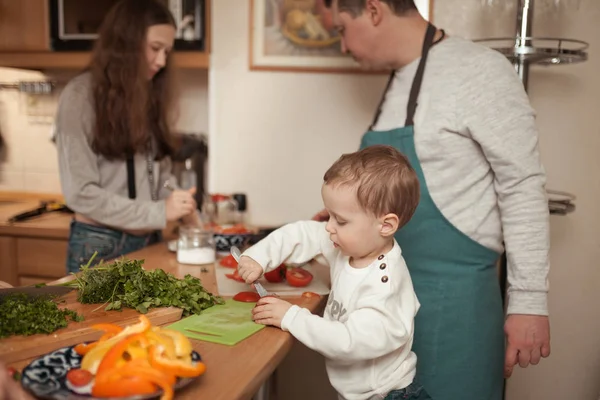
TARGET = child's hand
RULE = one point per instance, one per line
(249, 269)
(270, 311)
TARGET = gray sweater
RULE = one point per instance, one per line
(477, 142)
(94, 186)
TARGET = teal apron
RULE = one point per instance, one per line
(459, 338)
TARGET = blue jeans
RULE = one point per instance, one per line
(414, 391)
(85, 239)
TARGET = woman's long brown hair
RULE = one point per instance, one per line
(129, 108)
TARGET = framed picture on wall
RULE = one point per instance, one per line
(298, 35)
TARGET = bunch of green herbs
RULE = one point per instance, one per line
(25, 315)
(125, 284)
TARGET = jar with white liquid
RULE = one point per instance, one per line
(196, 246)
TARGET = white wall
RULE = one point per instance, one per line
(274, 134)
(273, 138)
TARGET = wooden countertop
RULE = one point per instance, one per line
(233, 372)
(54, 225)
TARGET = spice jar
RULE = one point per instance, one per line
(195, 246)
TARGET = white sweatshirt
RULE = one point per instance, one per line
(366, 333)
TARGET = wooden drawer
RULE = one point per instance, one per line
(33, 280)
(42, 257)
(8, 260)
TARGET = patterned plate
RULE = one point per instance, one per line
(45, 377)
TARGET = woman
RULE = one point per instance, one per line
(113, 138)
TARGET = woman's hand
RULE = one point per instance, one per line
(180, 203)
(192, 220)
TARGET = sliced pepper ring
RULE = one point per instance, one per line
(174, 366)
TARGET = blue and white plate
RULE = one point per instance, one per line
(45, 377)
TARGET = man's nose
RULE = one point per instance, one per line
(343, 46)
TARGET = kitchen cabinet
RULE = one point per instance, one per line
(23, 25)
(35, 250)
(25, 40)
(8, 260)
(31, 260)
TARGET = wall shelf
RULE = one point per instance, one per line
(78, 60)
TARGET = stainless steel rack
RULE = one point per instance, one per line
(524, 49)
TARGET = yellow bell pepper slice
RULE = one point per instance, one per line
(174, 366)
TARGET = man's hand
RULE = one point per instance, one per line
(249, 269)
(528, 339)
(270, 311)
(321, 216)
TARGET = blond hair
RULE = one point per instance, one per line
(384, 179)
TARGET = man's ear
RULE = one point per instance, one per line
(389, 224)
(374, 10)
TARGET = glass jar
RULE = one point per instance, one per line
(196, 246)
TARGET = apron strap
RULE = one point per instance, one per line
(416, 85)
(131, 177)
(378, 111)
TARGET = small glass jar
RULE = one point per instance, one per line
(196, 246)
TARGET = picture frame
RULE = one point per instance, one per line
(297, 35)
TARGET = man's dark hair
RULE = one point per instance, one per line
(356, 7)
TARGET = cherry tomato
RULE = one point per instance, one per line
(298, 277)
(14, 374)
(218, 197)
(310, 295)
(228, 262)
(247, 297)
(235, 276)
(79, 377)
(235, 229)
(277, 275)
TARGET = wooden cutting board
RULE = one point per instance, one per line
(17, 348)
(229, 287)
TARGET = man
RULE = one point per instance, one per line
(461, 115)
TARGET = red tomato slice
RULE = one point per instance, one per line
(310, 295)
(277, 275)
(219, 197)
(298, 277)
(235, 229)
(228, 262)
(247, 297)
(79, 377)
(235, 276)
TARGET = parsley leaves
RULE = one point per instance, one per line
(124, 283)
(24, 315)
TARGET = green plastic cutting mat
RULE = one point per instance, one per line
(227, 324)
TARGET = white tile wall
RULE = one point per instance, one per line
(29, 162)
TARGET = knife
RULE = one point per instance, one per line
(45, 207)
(236, 253)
